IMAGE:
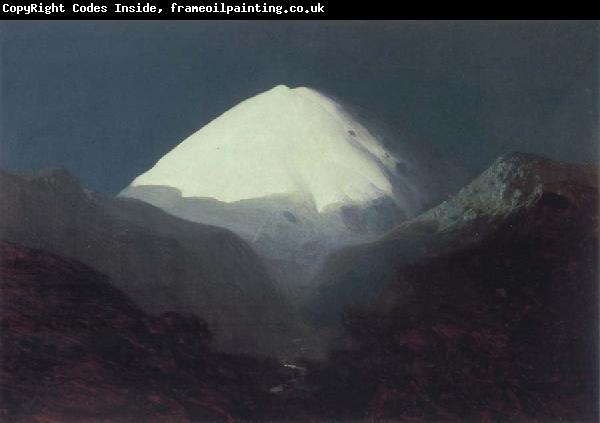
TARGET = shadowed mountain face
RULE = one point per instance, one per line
(506, 331)
(162, 262)
(518, 197)
(75, 349)
(292, 237)
(484, 308)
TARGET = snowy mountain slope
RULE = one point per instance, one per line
(294, 174)
(284, 141)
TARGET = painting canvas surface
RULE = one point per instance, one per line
(290, 221)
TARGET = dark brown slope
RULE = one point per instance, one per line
(494, 318)
(75, 349)
(162, 262)
(505, 199)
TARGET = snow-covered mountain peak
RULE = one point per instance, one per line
(286, 141)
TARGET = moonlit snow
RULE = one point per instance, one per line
(285, 141)
(293, 174)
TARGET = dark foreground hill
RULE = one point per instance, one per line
(162, 262)
(484, 308)
(76, 349)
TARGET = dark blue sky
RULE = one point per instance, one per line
(107, 99)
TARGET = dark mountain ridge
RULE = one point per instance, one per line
(506, 199)
(485, 308)
(162, 262)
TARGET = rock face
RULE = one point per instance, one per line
(75, 349)
(519, 195)
(484, 308)
(163, 263)
(514, 182)
(294, 174)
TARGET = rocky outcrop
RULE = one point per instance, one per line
(520, 196)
